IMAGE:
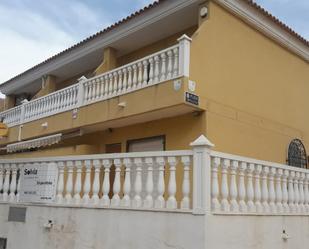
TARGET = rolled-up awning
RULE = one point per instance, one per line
(34, 143)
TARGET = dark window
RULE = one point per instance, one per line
(2, 243)
(297, 154)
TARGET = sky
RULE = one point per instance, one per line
(33, 30)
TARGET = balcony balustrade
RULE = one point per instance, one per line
(167, 64)
(199, 181)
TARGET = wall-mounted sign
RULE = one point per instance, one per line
(191, 98)
(38, 182)
(3, 130)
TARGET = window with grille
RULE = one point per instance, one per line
(297, 156)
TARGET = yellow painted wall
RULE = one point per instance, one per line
(256, 91)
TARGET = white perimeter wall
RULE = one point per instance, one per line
(76, 228)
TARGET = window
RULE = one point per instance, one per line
(297, 154)
(2, 243)
(146, 144)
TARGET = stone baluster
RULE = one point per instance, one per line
(105, 201)
(306, 192)
(301, 193)
(172, 187)
(215, 205)
(156, 69)
(225, 206)
(115, 74)
(250, 189)
(291, 192)
(120, 81)
(102, 86)
(125, 80)
(296, 192)
(271, 190)
(160, 201)
(285, 195)
(6, 184)
(137, 202)
(69, 184)
(145, 72)
(126, 200)
(134, 80)
(279, 194)
(169, 64)
(176, 60)
(110, 84)
(185, 202)
(151, 71)
(117, 184)
(148, 202)
(257, 189)
(87, 183)
(98, 89)
(78, 182)
(60, 186)
(93, 89)
(13, 185)
(19, 168)
(96, 182)
(163, 67)
(265, 191)
(242, 187)
(140, 74)
(129, 78)
(106, 86)
(1, 180)
(233, 187)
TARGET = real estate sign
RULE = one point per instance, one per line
(38, 182)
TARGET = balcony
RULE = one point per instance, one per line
(166, 65)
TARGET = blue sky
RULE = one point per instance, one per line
(33, 30)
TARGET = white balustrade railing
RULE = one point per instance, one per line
(164, 65)
(199, 180)
(249, 186)
(138, 180)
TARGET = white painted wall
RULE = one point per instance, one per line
(77, 228)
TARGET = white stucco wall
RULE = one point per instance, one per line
(76, 228)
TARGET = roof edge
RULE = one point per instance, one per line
(259, 18)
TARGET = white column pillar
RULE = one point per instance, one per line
(137, 202)
(87, 183)
(126, 200)
(172, 186)
(265, 193)
(285, 195)
(306, 190)
(105, 201)
(257, 189)
(250, 189)
(160, 201)
(242, 187)
(184, 55)
(96, 182)
(233, 187)
(78, 182)
(225, 206)
(296, 192)
(13, 185)
(148, 202)
(272, 193)
(215, 205)
(302, 193)
(6, 184)
(185, 202)
(291, 192)
(60, 186)
(201, 175)
(279, 191)
(117, 184)
(69, 184)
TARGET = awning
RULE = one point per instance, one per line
(34, 143)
